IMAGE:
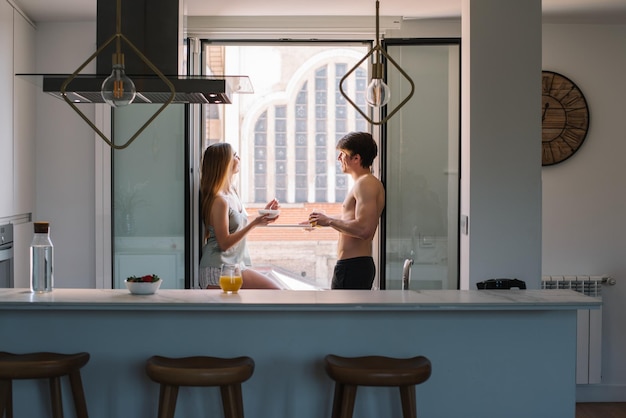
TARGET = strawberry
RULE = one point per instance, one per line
(148, 278)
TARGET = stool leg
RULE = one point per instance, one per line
(167, 400)
(232, 401)
(55, 397)
(407, 396)
(347, 403)
(6, 399)
(79, 395)
(336, 400)
(343, 403)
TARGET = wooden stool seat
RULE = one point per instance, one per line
(43, 365)
(227, 373)
(351, 372)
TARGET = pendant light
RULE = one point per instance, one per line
(378, 93)
(118, 89)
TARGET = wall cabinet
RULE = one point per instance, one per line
(17, 133)
(6, 109)
(17, 113)
(22, 238)
(24, 105)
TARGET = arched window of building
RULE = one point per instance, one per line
(260, 158)
(300, 162)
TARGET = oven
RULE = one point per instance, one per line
(6, 255)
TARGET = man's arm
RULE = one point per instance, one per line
(366, 212)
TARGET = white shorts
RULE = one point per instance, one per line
(210, 276)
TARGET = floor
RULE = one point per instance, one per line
(601, 410)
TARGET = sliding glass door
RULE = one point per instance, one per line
(421, 165)
(286, 134)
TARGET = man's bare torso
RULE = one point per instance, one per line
(367, 199)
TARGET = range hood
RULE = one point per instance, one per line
(154, 27)
(151, 89)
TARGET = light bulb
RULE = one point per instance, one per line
(377, 93)
(118, 89)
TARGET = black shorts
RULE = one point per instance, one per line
(354, 273)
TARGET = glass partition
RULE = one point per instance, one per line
(421, 166)
(148, 190)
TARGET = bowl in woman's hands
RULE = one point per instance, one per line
(271, 212)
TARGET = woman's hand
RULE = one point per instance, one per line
(263, 220)
(273, 205)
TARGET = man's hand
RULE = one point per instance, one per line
(318, 219)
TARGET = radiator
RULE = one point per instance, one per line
(589, 334)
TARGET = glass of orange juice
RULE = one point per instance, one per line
(313, 224)
(230, 278)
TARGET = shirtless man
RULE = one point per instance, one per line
(360, 212)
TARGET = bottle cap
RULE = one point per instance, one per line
(41, 227)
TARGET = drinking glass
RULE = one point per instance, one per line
(230, 278)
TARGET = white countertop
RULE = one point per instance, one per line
(479, 342)
(328, 300)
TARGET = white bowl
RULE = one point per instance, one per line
(272, 212)
(143, 288)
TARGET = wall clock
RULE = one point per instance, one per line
(564, 118)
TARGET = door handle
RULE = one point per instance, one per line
(406, 273)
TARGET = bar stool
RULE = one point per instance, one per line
(351, 372)
(43, 365)
(227, 373)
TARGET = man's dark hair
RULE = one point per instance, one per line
(361, 143)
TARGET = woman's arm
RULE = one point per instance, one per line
(219, 220)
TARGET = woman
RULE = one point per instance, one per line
(226, 221)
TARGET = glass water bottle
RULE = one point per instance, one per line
(41, 259)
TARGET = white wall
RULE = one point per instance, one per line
(583, 197)
(500, 141)
(583, 201)
(65, 157)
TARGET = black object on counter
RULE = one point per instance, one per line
(501, 284)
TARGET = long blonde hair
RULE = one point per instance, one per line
(215, 176)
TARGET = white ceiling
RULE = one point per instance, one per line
(580, 11)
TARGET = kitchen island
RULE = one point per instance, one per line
(495, 353)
